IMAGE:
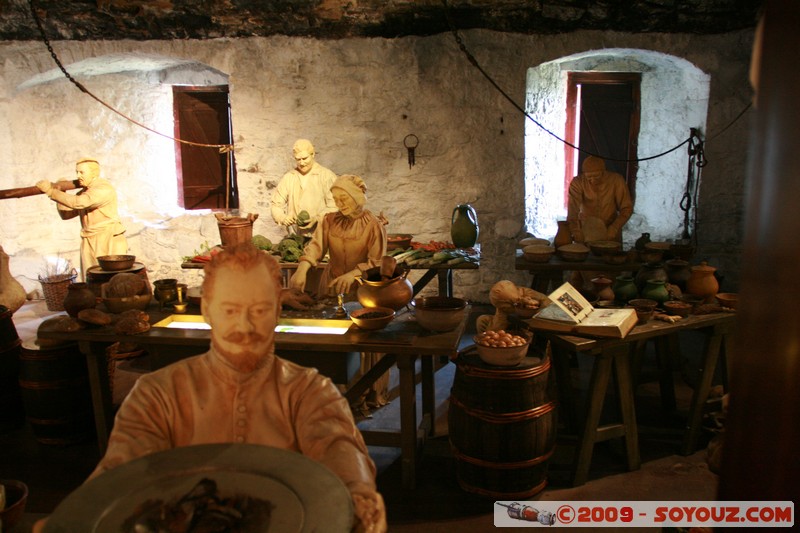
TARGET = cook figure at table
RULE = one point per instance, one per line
(355, 240)
(241, 392)
(599, 196)
(307, 187)
(353, 236)
(102, 232)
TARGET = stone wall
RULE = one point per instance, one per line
(356, 99)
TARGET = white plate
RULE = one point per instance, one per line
(305, 495)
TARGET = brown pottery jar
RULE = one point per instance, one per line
(702, 282)
(563, 235)
(650, 271)
(678, 272)
(79, 296)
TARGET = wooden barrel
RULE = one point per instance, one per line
(12, 413)
(55, 390)
(502, 425)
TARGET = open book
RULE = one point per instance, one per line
(570, 312)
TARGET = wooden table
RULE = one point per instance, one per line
(442, 272)
(548, 276)
(403, 342)
(617, 354)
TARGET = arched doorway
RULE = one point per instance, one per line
(674, 98)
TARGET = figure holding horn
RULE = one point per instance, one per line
(102, 232)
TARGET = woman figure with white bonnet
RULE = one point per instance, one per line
(354, 237)
(356, 242)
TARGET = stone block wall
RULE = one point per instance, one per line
(356, 99)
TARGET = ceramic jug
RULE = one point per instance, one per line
(12, 294)
(655, 289)
(394, 293)
(464, 226)
(702, 282)
(624, 289)
(678, 272)
(602, 288)
(648, 271)
(641, 241)
(79, 296)
(563, 235)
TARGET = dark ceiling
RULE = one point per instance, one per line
(333, 19)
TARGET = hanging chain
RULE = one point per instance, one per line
(223, 148)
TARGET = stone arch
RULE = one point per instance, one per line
(674, 98)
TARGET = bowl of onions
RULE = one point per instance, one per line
(502, 348)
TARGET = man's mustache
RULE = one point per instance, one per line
(239, 337)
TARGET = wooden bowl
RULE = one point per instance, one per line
(728, 299)
(113, 263)
(677, 307)
(538, 253)
(574, 252)
(400, 241)
(618, 257)
(372, 318)
(439, 313)
(643, 303)
(503, 356)
(16, 499)
(601, 248)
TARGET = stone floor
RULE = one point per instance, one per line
(438, 503)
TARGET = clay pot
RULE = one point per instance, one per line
(678, 272)
(563, 235)
(12, 294)
(655, 289)
(624, 289)
(79, 296)
(702, 282)
(602, 288)
(394, 293)
(648, 271)
(641, 241)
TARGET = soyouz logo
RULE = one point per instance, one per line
(644, 514)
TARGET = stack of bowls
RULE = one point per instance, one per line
(538, 253)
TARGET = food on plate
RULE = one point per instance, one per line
(499, 339)
(201, 510)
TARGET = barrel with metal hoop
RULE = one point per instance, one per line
(502, 425)
(54, 381)
(12, 415)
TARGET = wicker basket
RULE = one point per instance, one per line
(55, 289)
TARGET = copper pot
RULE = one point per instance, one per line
(393, 293)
